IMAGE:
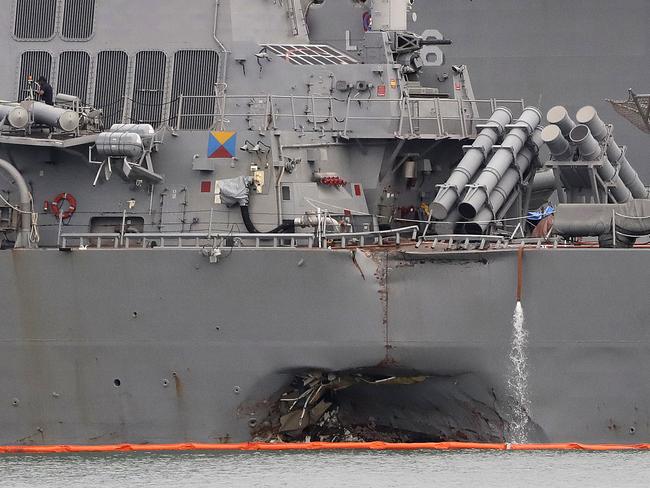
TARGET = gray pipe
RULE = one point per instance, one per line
(469, 165)
(544, 181)
(590, 150)
(66, 120)
(506, 185)
(581, 220)
(589, 117)
(559, 116)
(487, 181)
(22, 238)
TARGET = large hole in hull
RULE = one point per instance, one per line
(367, 405)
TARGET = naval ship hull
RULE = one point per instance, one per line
(196, 348)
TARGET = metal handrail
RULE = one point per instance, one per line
(194, 240)
(378, 235)
(344, 116)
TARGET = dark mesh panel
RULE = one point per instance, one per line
(34, 64)
(73, 74)
(78, 19)
(35, 19)
(195, 73)
(149, 88)
(110, 85)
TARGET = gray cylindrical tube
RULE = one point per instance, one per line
(145, 131)
(500, 162)
(66, 120)
(589, 117)
(119, 144)
(590, 150)
(544, 180)
(557, 144)
(22, 239)
(506, 186)
(559, 116)
(469, 165)
(17, 116)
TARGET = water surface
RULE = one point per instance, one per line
(329, 469)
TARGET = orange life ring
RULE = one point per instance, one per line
(55, 206)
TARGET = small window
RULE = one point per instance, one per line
(286, 193)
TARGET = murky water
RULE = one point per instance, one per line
(329, 469)
(518, 379)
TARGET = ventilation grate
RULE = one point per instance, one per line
(195, 73)
(78, 19)
(308, 54)
(35, 19)
(34, 64)
(149, 88)
(73, 74)
(110, 85)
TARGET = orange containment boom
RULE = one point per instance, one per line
(320, 446)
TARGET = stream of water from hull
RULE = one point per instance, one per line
(518, 379)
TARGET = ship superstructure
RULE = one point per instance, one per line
(238, 218)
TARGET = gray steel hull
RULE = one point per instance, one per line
(198, 347)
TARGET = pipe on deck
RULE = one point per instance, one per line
(22, 238)
(589, 117)
(500, 162)
(465, 170)
(590, 150)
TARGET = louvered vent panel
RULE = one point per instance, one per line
(195, 73)
(110, 85)
(78, 19)
(149, 88)
(73, 74)
(34, 64)
(35, 19)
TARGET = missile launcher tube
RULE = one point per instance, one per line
(471, 162)
(560, 148)
(506, 186)
(590, 150)
(66, 120)
(589, 117)
(16, 116)
(500, 162)
(559, 116)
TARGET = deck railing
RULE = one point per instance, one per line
(230, 240)
(405, 116)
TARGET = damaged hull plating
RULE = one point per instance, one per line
(182, 350)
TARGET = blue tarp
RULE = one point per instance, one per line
(550, 210)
